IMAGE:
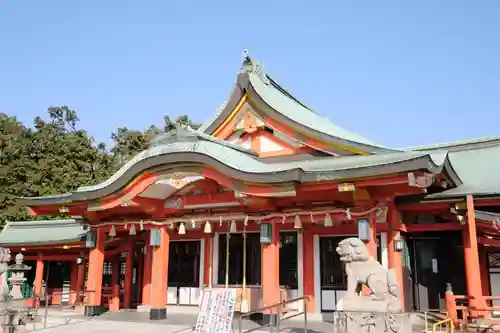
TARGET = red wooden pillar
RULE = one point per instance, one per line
(37, 292)
(371, 245)
(38, 276)
(140, 275)
(394, 257)
(308, 269)
(471, 254)
(146, 279)
(114, 302)
(207, 262)
(271, 292)
(73, 278)
(94, 282)
(159, 277)
(485, 276)
(451, 304)
(80, 282)
(129, 270)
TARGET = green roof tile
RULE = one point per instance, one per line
(479, 170)
(42, 232)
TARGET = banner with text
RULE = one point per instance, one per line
(216, 311)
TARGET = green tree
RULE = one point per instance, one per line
(128, 143)
(56, 156)
(52, 158)
(65, 155)
(16, 167)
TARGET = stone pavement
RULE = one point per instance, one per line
(105, 326)
(138, 322)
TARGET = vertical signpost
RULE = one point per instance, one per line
(216, 311)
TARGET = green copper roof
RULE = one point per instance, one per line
(187, 147)
(298, 113)
(42, 232)
(479, 170)
(282, 106)
(459, 145)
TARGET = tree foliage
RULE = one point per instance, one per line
(55, 156)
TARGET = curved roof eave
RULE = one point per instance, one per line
(218, 117)
(42, 243)
(244, 167)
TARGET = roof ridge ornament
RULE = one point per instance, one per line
(180, 132)
(253, 66)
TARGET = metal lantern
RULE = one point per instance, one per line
(90, 239)
(266, 233)
(399, 245)
(364, 230)
(155, 238)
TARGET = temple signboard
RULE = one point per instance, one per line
(216, 311)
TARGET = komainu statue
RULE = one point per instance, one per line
(377, 309)
(4, 287)
(4, 265)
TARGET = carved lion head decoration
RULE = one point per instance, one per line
(352, 249)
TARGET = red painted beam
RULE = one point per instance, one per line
(431, 227)
(488, 241)
(424, 207)
(379, 181)
(55, 257)
(489, 202)
(488, 226)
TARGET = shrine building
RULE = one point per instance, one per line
(257, 199)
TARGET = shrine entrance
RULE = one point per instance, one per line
(137, 272)
(185, 272)
(429, 255)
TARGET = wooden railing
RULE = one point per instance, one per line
(461, 311)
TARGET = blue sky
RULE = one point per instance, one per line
(399, 72)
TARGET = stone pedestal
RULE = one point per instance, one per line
(372, 322)
(158, 314)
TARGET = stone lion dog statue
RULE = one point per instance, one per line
(362, 269)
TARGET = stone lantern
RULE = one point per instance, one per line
(17, 278)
